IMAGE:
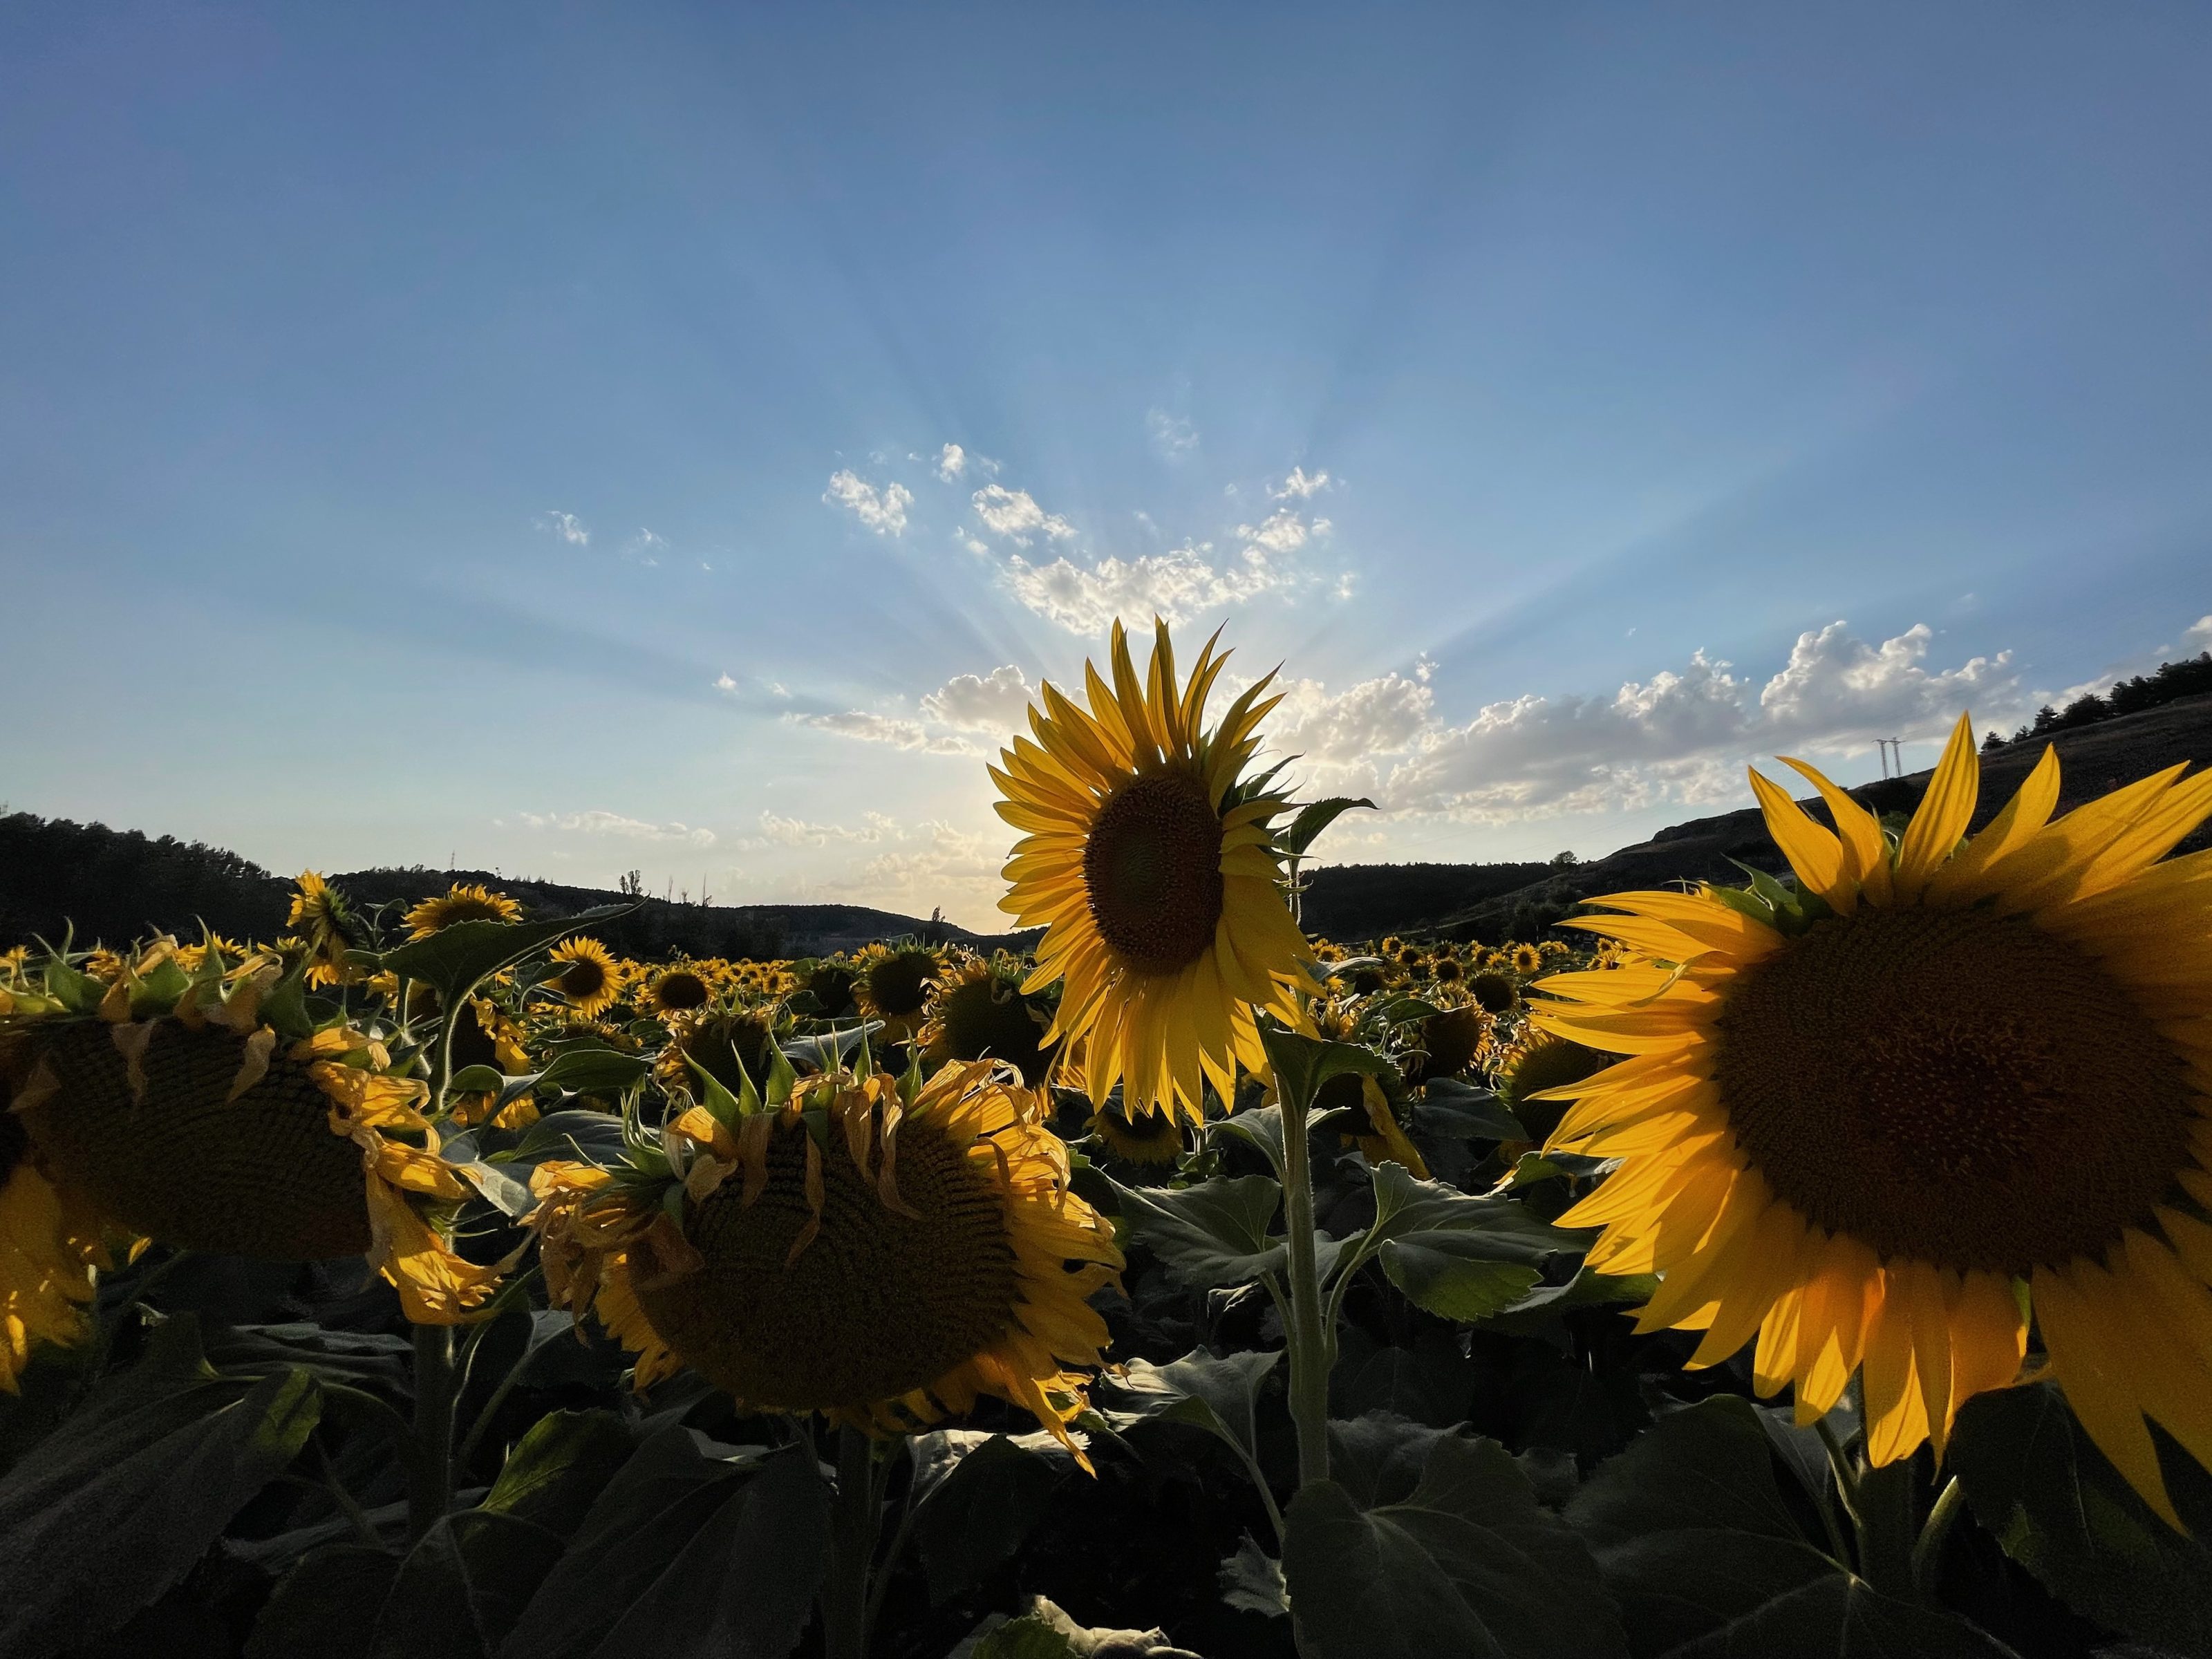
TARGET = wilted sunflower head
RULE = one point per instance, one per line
(679, 988)
(831, 982)
(1495, 991)
(980, 1011)
(879, 1255)
(735, 1046)
(1945, 1084)
(1150, 859)
(206, 1111)
(468, 901)
(893, 983)
(1366, 982)
(590, 979)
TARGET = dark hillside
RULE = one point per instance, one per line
(1364, 901)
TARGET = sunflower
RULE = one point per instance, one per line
(678, 990)
(205, 1112)
(1495, 991)
(1448, 970)
(1151, 864)
(880, 1256)
(1534, 1077)
(979, 1011)
(326, 924)
(1450, 1038)
(1150, 1138)
(734, 1046)
(1876, 1124)
(460, 903)
(831, 982)
(892, 985)
(1527, 960)
(589, 978)
(50, 1248)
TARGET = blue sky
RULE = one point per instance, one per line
(519, 436)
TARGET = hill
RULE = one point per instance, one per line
(2093, 758)
(116, 885)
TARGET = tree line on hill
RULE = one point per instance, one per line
(2169, 682)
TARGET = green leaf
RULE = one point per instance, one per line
(1316, 816)
(581, 1071)
(478, 1080)
(1467, 1563)
(1458, 1257)
(586, 1137)
(1301, 1064)
(463, 1586)
(1251, 1581)
(2041, 1488)
(1536, 1311)
(455, 959)
(1261, 1128)
(1217, 1392)
(317, 1607)
(1449, 1107)
(106, 1515)
(1843, 1616)
(1694, 1540)
(981, 1495)
(352, 1357)
(1210, 1236)
(557, 1470)
(687, 1554)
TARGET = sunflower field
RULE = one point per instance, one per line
(1818, 1266)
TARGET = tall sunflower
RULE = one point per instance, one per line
(462, 901)
(205, 1111)
(1151, 860)
(590, 979)
(879, 1253)
(1878, 1123)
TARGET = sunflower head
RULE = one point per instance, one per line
(1449, 970)
(735, 1046)
(206, 1112)
(1449, 1040)
(879, 1251)
(1876, 1121)
(1528, 959)
(679, 988)
(893, 985)
(831, 982)
(1495, 991)
(1149, 857)
(589, 979)
(1153, 1139)
(462, 901)
(1538, 1064)
(327, 928)
(980, 1011)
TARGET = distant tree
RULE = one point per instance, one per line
(1565, 861)
(1995, 740)
(632, 884)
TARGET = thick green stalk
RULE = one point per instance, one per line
(853, 1526)
(1885, 1527)
(430, 1460)
(1312, 1339)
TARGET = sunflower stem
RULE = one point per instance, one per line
(1311, 1340)
(1928, 1551)
(853, 1527)
(430, 1467)
(1886, 1528)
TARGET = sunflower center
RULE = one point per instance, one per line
(1152, 869)
(877, 1306)
(260, 1176)
(980, 1021)
(680, 989)
(1953, 1086)
(900, 983)
(584, 977)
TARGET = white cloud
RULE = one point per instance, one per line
(996, 701)
(1835, 687)
(1175, 584)
(567, 526)
(596, 823)
(1014, 514)
(867, 727)
(1282, 531)
(882, 510)
(1302, 484)
(952, 462)
(1173, 435)
(2199, 634)
(645, 548)
(724, 683)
